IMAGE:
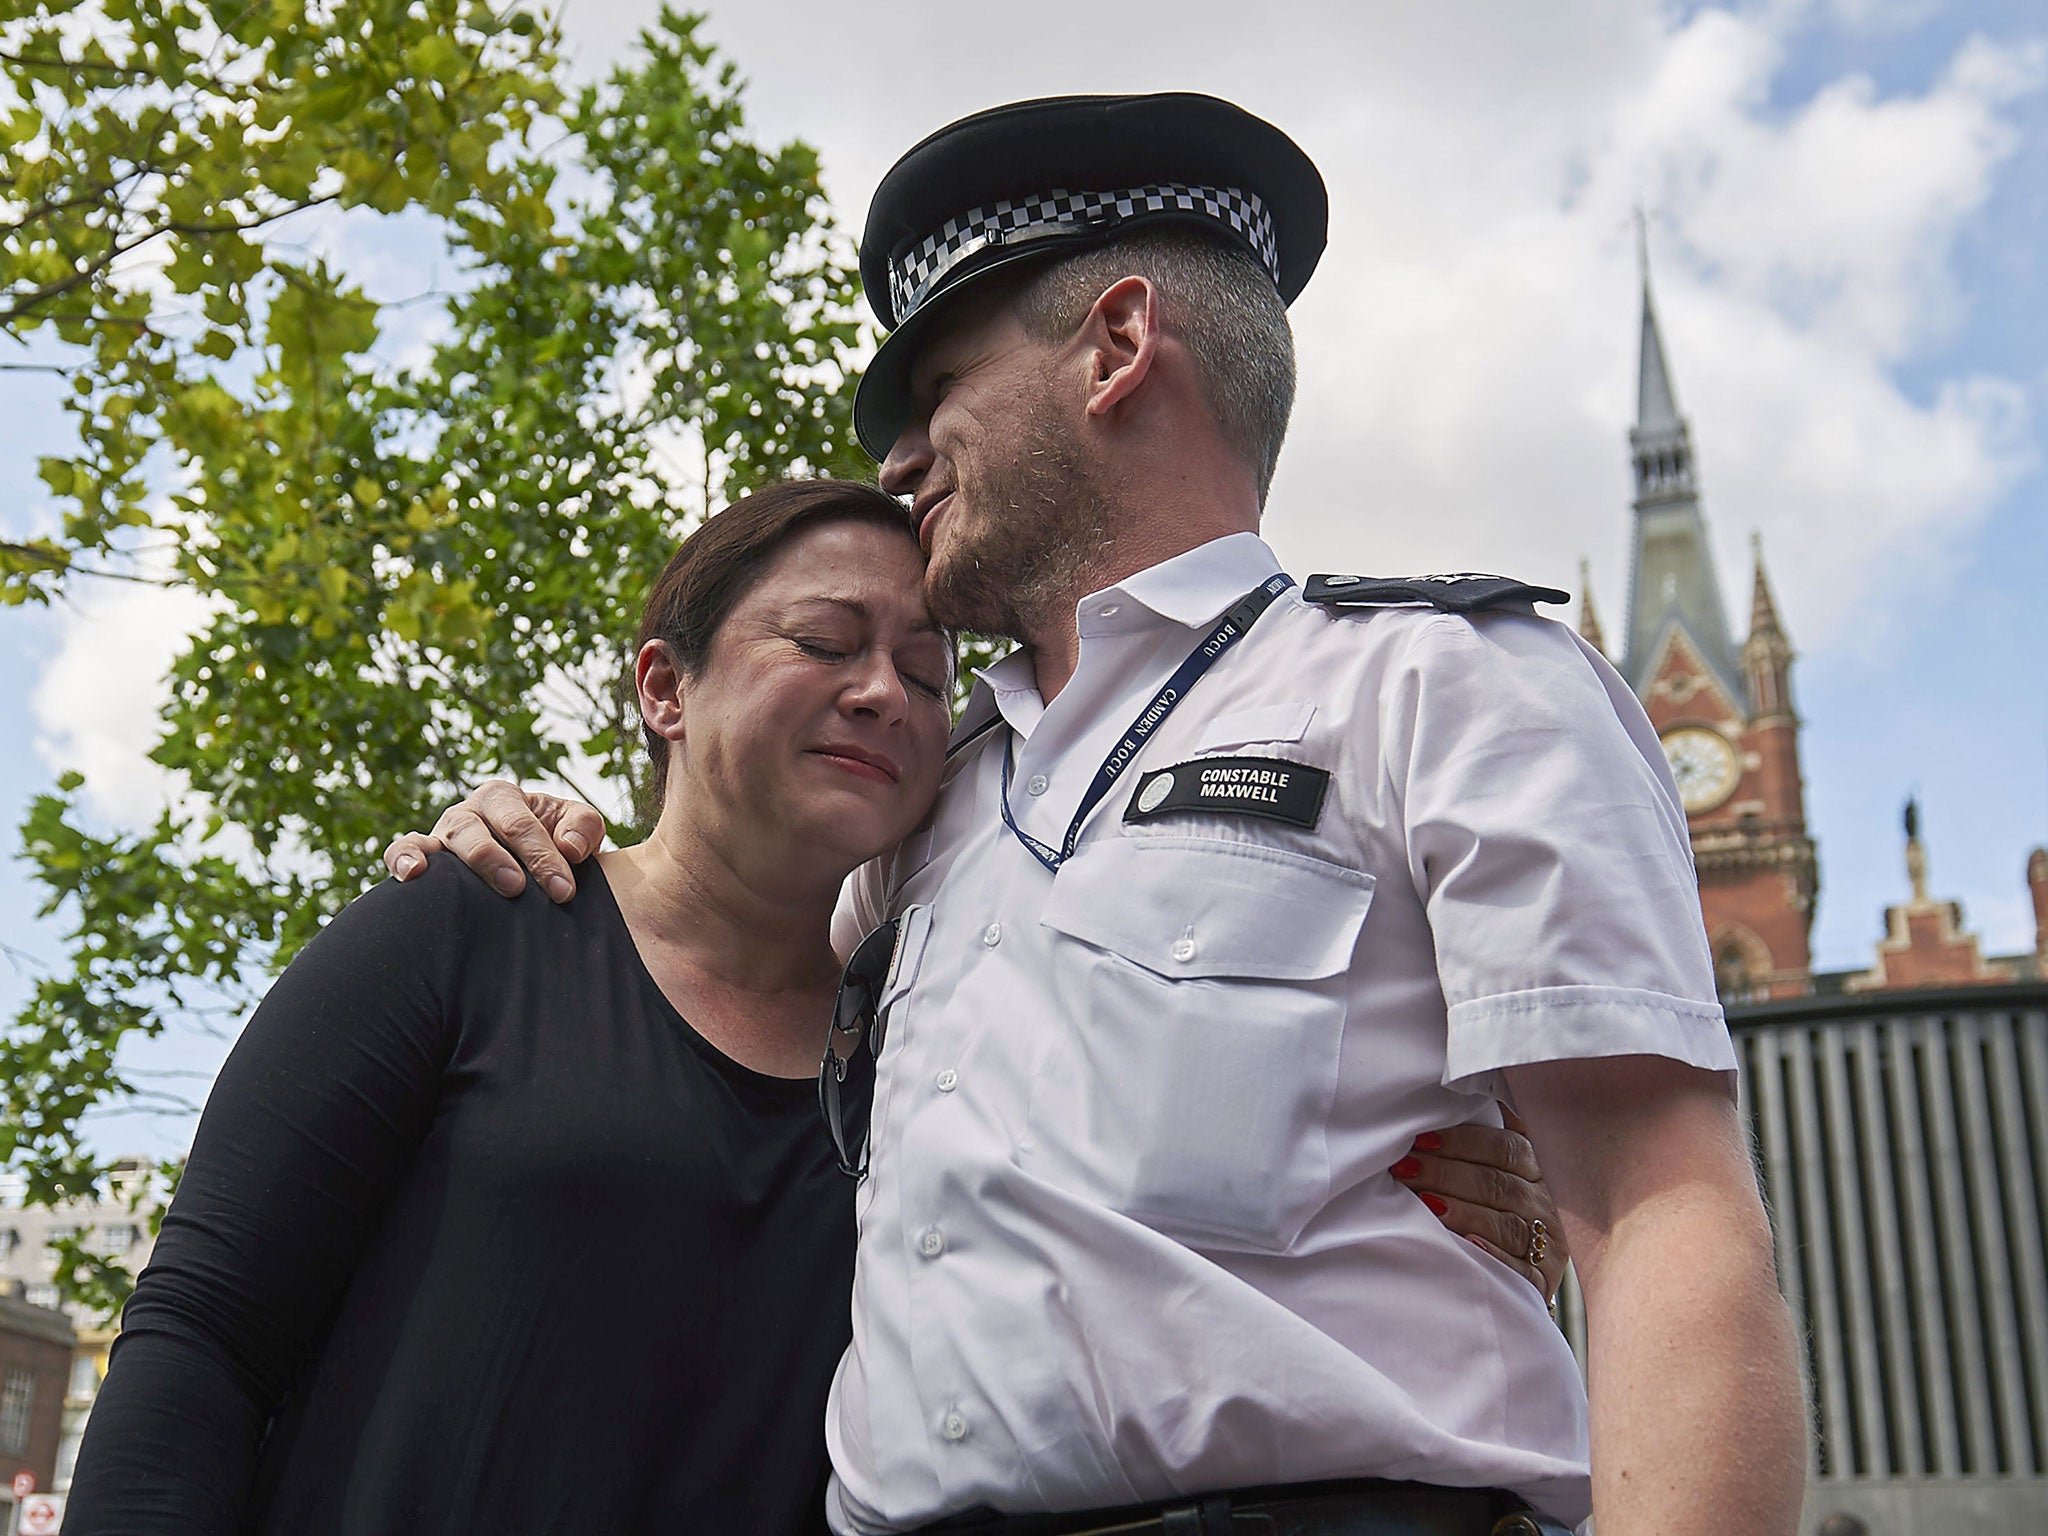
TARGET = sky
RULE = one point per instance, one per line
(1846, 203)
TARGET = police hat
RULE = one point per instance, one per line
(1060, 175)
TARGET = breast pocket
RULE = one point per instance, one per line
(1188, 1082)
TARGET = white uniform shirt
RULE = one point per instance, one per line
(1129, 1230)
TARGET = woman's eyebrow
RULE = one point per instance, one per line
(861, 610)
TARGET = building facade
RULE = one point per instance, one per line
(119, 1227)
(1900, 1112)
(36, 1350)
(1726, 716)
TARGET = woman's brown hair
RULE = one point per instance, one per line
(726, 555)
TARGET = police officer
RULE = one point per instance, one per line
(1236, 888)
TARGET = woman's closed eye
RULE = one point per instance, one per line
(923, 685)
(825, 650)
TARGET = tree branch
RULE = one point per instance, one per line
(56, 560)
(133, 72)
(117, 249)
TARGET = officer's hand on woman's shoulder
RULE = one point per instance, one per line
(498, 828)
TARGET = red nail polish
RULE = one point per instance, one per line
(1429, 1141)
(1435, 1203)
(1407, 1168)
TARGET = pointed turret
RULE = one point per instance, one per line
(1763, 608)
(1767, 655)
(1672, 585)
(1589, 621)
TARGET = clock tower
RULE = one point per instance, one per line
(1723, 712)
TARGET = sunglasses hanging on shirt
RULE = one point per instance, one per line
(846, 1077)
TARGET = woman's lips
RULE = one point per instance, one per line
(861, 763)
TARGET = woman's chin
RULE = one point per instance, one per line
(847, 835)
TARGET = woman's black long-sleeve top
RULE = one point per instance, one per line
(478, 1235)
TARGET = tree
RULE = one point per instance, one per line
(419, 576)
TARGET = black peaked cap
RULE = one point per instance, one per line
(1023, 153)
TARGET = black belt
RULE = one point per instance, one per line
(1357, 1507)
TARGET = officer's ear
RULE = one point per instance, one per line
(1121, 334)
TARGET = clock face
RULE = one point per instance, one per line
(1704, 764)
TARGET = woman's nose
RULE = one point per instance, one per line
(878, 690)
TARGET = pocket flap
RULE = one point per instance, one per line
(1184, 906)
(1286, 721)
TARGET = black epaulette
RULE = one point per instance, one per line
(1465, 593)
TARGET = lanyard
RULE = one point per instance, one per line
(1230, 629)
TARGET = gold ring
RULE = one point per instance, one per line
(1539, 1243)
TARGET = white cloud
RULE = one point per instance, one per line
(1468, 346)
(1842, 215)
(98, 705)
(1468, 352)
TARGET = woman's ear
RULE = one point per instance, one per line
(1122, 332)
(659, 681)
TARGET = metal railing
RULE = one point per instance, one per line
(1902, 1140)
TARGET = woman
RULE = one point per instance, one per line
(509, 1216)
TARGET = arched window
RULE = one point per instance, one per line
(1742, 966)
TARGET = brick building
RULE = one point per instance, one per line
(36, 1346)
(118, 1227)
(1726, 717)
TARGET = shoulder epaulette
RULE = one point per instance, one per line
(1466, 593)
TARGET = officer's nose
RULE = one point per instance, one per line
(908, 462)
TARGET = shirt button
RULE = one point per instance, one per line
(992, 935)
(953, 1426)
(1106, 611)
(948, 1079)
(1183, 950)
(931, 1242)
(1038, 784)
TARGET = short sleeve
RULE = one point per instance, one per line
(1546, 841)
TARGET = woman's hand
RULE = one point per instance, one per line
(499, 828)
(1483, 1183)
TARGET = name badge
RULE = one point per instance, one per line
(1233, 786)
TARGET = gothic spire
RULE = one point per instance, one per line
(1671, 583)
(1656, 406)
(1589, 622)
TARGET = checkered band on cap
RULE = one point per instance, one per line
(1012, 221)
